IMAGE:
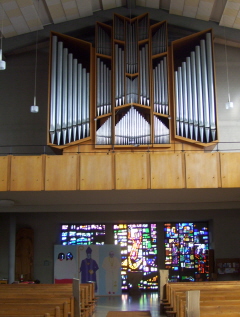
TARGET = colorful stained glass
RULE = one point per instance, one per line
(139, 252)
(186, 246)
(83, 234)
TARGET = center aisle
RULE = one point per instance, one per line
(125, 302)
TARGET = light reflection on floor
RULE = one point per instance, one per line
(125, 302)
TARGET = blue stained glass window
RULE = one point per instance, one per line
(83, 234)
(186, 247)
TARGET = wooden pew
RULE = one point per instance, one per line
(56, 294)
(25, 309)
(58, 299)
(87, 300)
(176, 302)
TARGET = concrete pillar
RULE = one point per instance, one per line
(12, 247)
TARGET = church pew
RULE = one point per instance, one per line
(40, 300)
(222, 310)
(207, 289)
(31, 309)
(205, 295)
(87, 297)
(43, 291)
(171, 288)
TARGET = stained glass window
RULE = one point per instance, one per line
(138, 252)
(82, 234)
(186, 251)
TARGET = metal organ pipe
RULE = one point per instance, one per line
(79, 103)
(74, 117)
(184, 98)
(194, 94)
(84, 100)
(70, 96)
(116, 75)
(88, 105)
(197, 89)
(122, 89)
(59, 92)
(65, 96)
(211, 85)
(205, 90)
(180, 100)
(199, 93)
(53, 88)
(132, 128)
(189, 96)
(162, 98)
(165, 72)
(177, 103)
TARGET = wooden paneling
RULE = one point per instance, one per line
(102, 171)
(62, 172)
(131, 170)
(26, 173)
(202, 170)
(230, 169)
(96, 171)
(167, 170)
(4, 169)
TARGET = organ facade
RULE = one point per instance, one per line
(132, 87)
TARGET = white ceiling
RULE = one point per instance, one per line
(24, 16)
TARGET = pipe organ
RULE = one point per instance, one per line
(70, 92)
(144, 94)
(194, 85)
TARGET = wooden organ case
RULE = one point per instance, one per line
(132, 89)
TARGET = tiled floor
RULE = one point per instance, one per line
(125, 302)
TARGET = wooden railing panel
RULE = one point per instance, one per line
(230, 169)
(167, 170)
(131, 170)
(26, 173)
(4, 169)
(62, 172)
(202, 170)
(100, 171)
(96, 172)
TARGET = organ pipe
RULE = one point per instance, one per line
(70, 96)
(211, 85)
(132, 129)
(79, 114)
(176, 102)
(184, 98)
(74, 117)
(180, 100)
(59, 92)
(189, 96)
(65, 95)
(53, 88)
(205, 89)
(194, 94)
(199, 93)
